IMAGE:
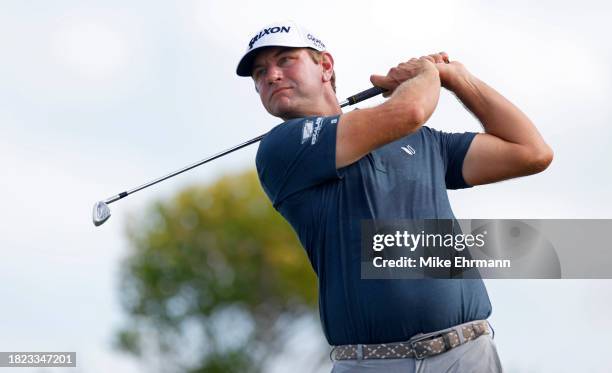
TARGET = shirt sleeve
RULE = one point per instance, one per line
(297, 155)
(453, 148)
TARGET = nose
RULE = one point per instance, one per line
(273, 74)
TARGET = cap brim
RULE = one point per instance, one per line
(245, 66)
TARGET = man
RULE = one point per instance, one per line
(326, 171)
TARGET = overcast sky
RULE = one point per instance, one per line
(98, 97)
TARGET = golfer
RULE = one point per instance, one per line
(326, 171)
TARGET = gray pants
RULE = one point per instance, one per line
(475, 356)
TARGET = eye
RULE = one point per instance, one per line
(285, 60)
(258, 73)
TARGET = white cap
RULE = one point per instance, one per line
(278, 34)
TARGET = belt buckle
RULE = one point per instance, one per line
(413, 343)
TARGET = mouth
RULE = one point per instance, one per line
(279, 90)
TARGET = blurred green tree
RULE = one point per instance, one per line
(213, 278)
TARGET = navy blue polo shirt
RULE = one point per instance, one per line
(405, 179)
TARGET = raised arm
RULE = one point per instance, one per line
(414, 88)
(511, 145)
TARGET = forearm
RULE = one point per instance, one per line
(498, 116)
(411, 104)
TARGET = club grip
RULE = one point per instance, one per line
(364, 95)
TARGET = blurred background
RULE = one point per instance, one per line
(198, 274)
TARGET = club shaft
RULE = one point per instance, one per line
(364, 95)
(177, 172)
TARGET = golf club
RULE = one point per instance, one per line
(101, 212)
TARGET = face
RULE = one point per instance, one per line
(288, 81)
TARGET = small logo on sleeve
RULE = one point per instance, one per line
(307, 130)
(317, 129)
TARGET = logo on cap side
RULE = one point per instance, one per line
(316, 41)
(271, 30)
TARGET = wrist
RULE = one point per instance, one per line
(459, 81)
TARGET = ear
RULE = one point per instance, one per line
(327, 63)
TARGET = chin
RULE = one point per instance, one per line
(285, 115)
(285, 112)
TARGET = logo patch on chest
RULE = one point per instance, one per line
(409, 150)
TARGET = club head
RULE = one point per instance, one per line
(101, 213)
